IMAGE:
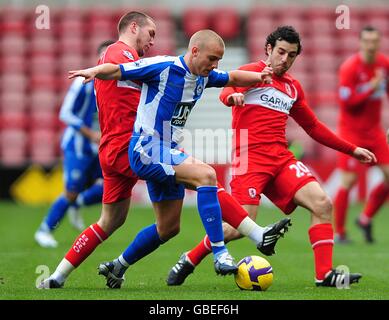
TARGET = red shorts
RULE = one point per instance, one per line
(118, 176)
(280, 188)
(378, 146)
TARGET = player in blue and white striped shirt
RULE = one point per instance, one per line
(171, 87)
(81, 164)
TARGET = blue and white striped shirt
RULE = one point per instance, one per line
(169, 92)
(78, 110)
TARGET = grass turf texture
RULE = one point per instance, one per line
(293, 264)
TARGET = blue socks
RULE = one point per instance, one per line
(56, 213)
(210, 213)
(145, 242)
(90, 196)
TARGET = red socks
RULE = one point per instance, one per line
(341, 206)
(232, 212)
(376, 200)
(198, 253)
(85, 244)
(322, 240)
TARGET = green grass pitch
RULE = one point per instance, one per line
(20, 258)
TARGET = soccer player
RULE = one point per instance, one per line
(171, 87)
(363, 82)
(263, 110)
(81, 163)
(117, 103)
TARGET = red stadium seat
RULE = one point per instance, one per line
(15, 119)
(43, 81)
(71, 27)
(44, 100)
(13, 82)
(14, 20)
(13, 45)
(320, 11)
(40, 62)
(13, 63)
(258, 28)
(321, 26)
(266, 12)
(42, 45)
(13, 144)
(15, 101)
(226, 22)
(43, 119)
(42, 145)
(165, 28)
(70, 62)
(320, 43)
(164, 46)
(324, 62)
(159, 13)
(71, 45)
(195, 19)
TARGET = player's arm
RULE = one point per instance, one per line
(305, 117)
(105, 71)
(242, 78)
(232, 96)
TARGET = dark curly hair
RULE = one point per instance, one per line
(286, 33)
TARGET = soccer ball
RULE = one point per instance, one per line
(254, 273)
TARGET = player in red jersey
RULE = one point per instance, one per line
(363, 83)
(117, 103)
(271, 168)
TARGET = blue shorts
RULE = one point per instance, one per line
(78, 171)
(153, 160)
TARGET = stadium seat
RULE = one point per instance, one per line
(69, 62)
(42, 45)
(259, 12)
(43, 81)
(323, 62)
(44, 100)
(13, 63)
(15, 101)
(258, 28)
(71, 45)
(44, 61)
(195, 19)
(321, 26)
(42, 144)
(13, 45)
(226, 22)
(43, 119)
(164, 46)
(16, 119)
(14, 20)
(322, 43)
(13, 82)
(159, 13)
(70, 27)
(13, 144)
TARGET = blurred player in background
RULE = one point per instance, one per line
(155, 157)
(363, 81)
(263, 110)
(81, 163)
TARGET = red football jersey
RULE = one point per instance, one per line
(265, 115)
(360, 105)
(117, 101)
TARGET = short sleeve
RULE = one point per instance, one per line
(217, 78)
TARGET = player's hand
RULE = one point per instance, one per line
(266, 74)
(95, 137)
(236, 99)
(89, 74)
(364, 155)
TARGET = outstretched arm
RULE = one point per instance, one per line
(319, 132)
(241, 78)
(106, 71)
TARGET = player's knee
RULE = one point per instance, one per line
(168, 232)
(323, 208)
(230, 233)
(71, 196)
(207, 177)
